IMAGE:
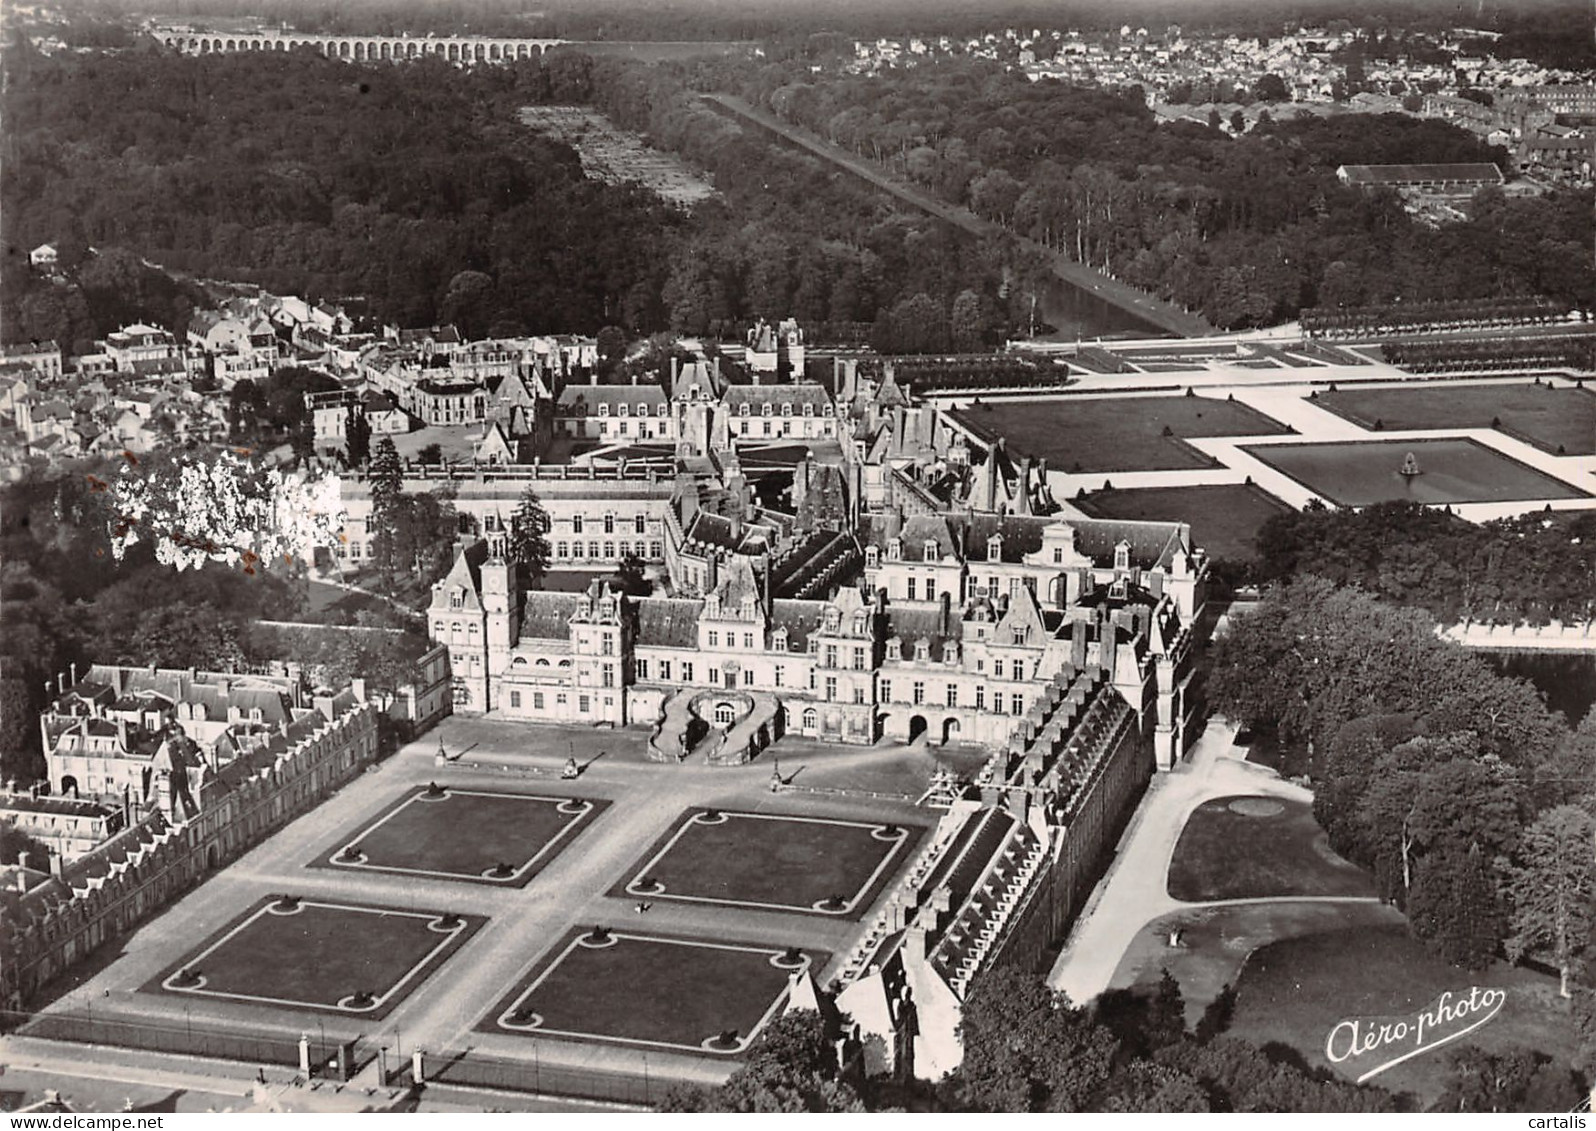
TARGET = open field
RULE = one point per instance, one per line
(1355, 473)
(1253, 847)
(1084, 435)
(616, 156)
(1559, 420)
(693, 995)
(1224, 517)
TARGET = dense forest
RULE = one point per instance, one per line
(414, 186)
(1248, 229)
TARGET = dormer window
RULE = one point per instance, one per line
(742, 410)
(950, 653)
(825, 409)
(1020, 633)
(604, 410)
(765, 409)
(1117, 589)
(922, 650)
(858, 624)
(994, 548)
(894, 550)
(786, 409)
(931, 552)
(872, 557)
(620, 410)
(778, 639)
(809, 410)
(1122, 556)
(894, 649)
(833, 619)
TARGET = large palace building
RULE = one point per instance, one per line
(959, 627)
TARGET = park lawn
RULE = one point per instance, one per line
(1215, 940)
(1224, 518)
(464, 833)
(320, 954)
(1546, 416)
(651, 989)
(1082, 435)
(1224, 854)
(783, 862)
(1356, 473)
(1296, 991)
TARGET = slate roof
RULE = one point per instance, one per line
(547, 616)
(580, 400)
(667, 622)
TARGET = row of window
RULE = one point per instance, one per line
(950, 697)
(639, 524)
(765, 430)
(786, 410)
(607, 550)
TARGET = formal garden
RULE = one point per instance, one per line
(766, 862)
(303, 954)
(688, 995)
(474, 835)
(1557, 419)
(1356, 473)
(1085, 435)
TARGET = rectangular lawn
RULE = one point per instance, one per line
(323, 956)
(1224, 517)
(1082, 435)
(1355, 473)
(685, 994)
(777, 863)
(476, 835)
(1550, 418)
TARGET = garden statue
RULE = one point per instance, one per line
(571, 770)
(1410, 466)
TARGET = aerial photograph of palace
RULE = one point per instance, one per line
(954, 557)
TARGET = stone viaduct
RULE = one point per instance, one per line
(361, 48)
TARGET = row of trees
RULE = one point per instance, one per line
(1474, 806)
(1532, 569)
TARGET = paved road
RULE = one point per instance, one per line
(1165, 316)
(1134, 892)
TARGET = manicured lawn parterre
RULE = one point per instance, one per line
(816, 865)
(652, 990)
(1224, 518)
(1296, 991)
(1254, 847)
(1545, 416)
(308, 954)
(1355, 473)
(1092, 434)
(482, 836)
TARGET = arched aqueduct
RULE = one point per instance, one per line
(362, 48)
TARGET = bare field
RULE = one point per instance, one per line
(616, 156)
